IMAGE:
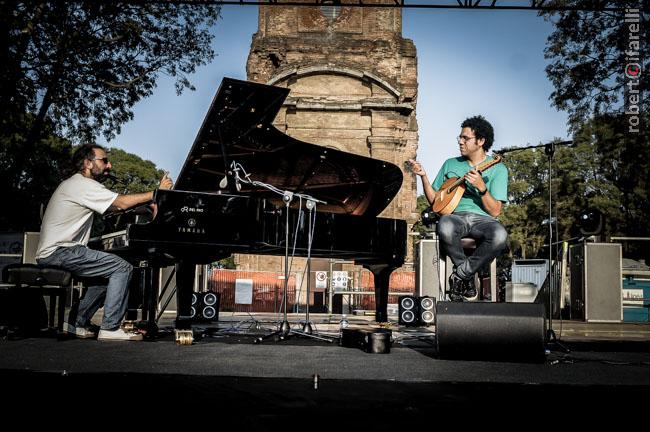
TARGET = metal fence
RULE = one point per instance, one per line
(268, 289)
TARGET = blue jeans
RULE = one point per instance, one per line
(490, 236)
(84, 262)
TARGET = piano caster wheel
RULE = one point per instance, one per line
(184, 337)
(129, 326)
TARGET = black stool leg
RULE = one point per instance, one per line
(61, 305)
(50, 321)
(74, 308)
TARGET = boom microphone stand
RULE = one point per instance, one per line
(307, 329)
(549, 150)
(284, 329)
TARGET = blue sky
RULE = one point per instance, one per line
(469, 62)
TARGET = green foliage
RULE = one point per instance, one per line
(41, 174)
(588, 54)
(133, 173)
(28, 182)
(85, 64)
(71, 71)
(606, 170)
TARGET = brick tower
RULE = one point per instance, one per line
(353, 81)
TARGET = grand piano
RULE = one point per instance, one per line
(217, 206)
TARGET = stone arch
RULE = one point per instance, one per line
(298, 72)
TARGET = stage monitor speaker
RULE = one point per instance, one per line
(596, 282)
(426, 310)
(205, 306)
(416, 310)
(491, 331)
(408, 311)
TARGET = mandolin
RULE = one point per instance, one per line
(452, 190)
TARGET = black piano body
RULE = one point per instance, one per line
(200, 222)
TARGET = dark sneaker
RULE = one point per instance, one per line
(469, 293)
(456, 288)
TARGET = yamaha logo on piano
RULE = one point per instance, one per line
(191, 230)
(192, 227)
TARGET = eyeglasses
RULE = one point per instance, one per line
(464, 138)
(104, 159)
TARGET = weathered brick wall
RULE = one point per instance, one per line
(353, 81)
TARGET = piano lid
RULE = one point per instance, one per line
(238, 127)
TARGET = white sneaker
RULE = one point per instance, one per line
(80, 332)
(118, 335)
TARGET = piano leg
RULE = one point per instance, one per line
(382, 274)
(137, 293)
(150, 300)
(185, 274)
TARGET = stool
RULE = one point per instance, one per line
(446, 267)
(51, 281)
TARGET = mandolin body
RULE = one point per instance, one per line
(450, 194)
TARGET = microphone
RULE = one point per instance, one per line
(111, 177)
(234, 173)
(237, 178)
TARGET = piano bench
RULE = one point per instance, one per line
(446, 267)
(51, 281)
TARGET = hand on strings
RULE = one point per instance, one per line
(474, 178)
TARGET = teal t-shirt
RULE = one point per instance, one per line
(495, 178)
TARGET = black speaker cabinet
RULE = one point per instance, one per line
(426, 310)
(205, 306)
(596, 291)
(416, 310)
(503, 331)
(408, 310)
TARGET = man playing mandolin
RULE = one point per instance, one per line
(469, 197)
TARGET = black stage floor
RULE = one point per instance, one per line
(272, 385)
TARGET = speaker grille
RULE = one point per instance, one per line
(408, 311)
(205, 307)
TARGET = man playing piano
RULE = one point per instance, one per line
(65, 231)
(476, 212)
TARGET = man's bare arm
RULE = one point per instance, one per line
(124, 202)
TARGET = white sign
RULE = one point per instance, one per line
(321, 279)
(339, 280)
(244, 291)
(633, 296)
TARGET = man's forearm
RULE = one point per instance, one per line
(429, 192)
(491, 205)
(123, 202)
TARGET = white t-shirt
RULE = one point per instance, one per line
(69, 215)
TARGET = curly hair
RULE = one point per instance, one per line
(83, 153)
(481, 128)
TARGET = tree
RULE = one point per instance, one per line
(43, 174)
(85, 64)
(604, 170)
(70, 71)
(597, 58)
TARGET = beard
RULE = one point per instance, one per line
(100, 176)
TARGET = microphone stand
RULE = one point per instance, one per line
(307, 329)
(284, 329)
(549, 149)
